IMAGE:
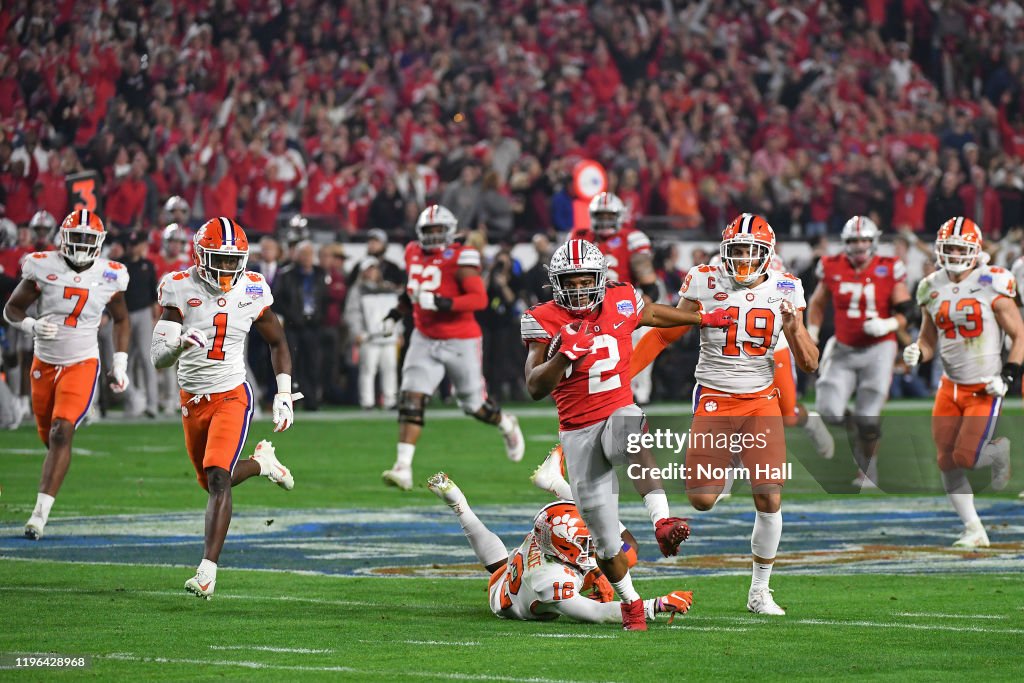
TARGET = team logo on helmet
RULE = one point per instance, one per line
(958, 245)
(561, 533)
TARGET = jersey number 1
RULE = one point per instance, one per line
(220, 323)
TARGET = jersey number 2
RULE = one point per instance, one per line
(220, 323)
(82, 295)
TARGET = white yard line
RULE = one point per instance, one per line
(939, 615)
(268, 648)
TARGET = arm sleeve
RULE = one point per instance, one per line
(651, 345)
(638, 297)
(473, 297)
(819, 270)
(584, 609)
(638, 243)
(30, 268)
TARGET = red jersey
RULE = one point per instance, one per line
(618, 250)
(163, 265)
(860, 294)
(598, 383)
(434, 271)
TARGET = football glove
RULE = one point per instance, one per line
(676, 602)
(912, 355)
(119, 372)
(670, 532)
(879, 327)
(193, 338)
(387, 326)
(599, 585)
(995, 386)
(576, 343)
(432, 302)
(283, 410)
(41, 328)
(720, 317)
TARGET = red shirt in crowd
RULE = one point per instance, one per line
(126, 201)
(53, 194)
(323, 194)
(263, 205)
(20, 205)
(908, 207)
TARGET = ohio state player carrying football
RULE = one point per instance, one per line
(579, 349)
(444, 290)
(871, 302)
(968, 309)
(735, 393)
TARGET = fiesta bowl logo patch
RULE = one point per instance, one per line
(625, 307)
(109, 275)
(615, 242)
(985, 279)
(254, 291)
(785, 284)
(195, 303)
(721, 296)
(882, 271)
(448, 253)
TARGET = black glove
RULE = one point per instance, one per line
(1010, 373)
(443, 303)
(394, 315)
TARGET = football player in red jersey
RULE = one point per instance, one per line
(579, 349)
(444, 291)
(627, 251)
(871, 301)
(173, 254)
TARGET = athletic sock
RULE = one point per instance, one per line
(405, 453)
(560, 487)
(624, 589)
(958, 490)
(764, 543)
(44, 502)
(656, 503)
(485, 543)
(760, 575)
(207, 568)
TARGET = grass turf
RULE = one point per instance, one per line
(128, 617)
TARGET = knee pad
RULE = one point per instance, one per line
(489, 412)
(218, 480)
(869, 430)
(410, 408)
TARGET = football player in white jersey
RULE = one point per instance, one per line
(735, 395)
(72, 288)
(215, 302)
(546, 576)
(968, 309)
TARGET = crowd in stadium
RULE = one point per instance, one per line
(354, 115)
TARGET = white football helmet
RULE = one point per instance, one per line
(606, 214)
(436, 215)
(175, 233)
(856, 230)
(578, 257)
(561, 533)
(8, 233)
(176, 203)
(42, 221)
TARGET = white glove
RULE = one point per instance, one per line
(283, 410)
(42, 328)
(879, 327)
(193, 338)
(912, 355)
(119, 372)
(995, 386)
(815, 332)
(427, 302)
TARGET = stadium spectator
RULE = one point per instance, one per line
(332, 331)
(140, 298)
(301, 299)
(369, 301)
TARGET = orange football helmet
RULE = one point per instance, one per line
(561, 532)
(81, 237)
(748, 247)
(220, 250)
(958, 245)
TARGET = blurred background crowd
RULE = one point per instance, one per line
(318, 124)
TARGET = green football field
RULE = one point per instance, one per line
(345, 579)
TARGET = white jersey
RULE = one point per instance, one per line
(74, 300)
(739, 360)
(532, 582)
(970, 340)
(225, 318)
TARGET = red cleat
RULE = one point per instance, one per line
(670, 532)
(633, 616)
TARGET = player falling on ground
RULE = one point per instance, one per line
(871, 302)
(627, 251)
(735, 392)
(216, 301)
(547, 575)
(968, 309)
(73, 288)
(579, 350)
(444, 291)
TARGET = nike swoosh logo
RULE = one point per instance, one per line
(773, 299)
(577, 349)
(204, 586)
(976, 289)
(618, 324)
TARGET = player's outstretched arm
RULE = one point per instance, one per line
(583, 610)
(688, 313)
(802, 344)
(543, 375)
(816, 310)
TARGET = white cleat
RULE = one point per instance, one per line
(760, 601)
(973, 536)
(548, 475)
(399, 477)
(515, 445)
(824, 444)
(34, 528)
(267, 459)
(864, 482)
(1000, 463)
(447, 490)
(201, 586)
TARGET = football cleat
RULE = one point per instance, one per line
(676, 602)
(863, 482)
(447, 490)
(1000, 463)
(267, 459)
(34, 528)
(634, 617)
(399, 477)
(670, 532)
(760, 601)
(817, 432)
(201, 586)
(515, 445)
(973, 536)
(550, 474)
